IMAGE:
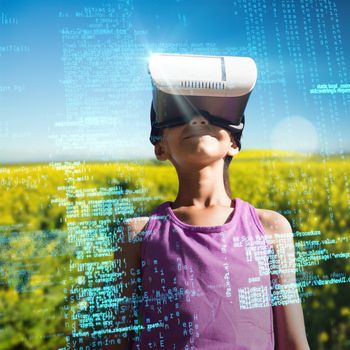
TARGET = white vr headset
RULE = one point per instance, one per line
(216, 87)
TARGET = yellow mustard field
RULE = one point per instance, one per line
(41, 204)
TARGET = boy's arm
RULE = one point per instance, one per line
(128, 261)
(287, 311)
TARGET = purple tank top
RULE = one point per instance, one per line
(205, 287)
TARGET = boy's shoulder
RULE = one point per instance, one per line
(135, 226)
(130, 247)
(279, 233)
(273, 222)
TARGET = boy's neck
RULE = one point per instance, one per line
(202, 188)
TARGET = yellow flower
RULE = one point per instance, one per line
(345, 311)
(323, 337)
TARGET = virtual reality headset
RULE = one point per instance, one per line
(216, 87)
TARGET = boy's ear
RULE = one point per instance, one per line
(160, 151)
(234, 149)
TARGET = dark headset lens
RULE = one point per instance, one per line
(180, 120)
(170, 123)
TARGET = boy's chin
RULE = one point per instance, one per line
(202, 159)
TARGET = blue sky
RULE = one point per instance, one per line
(68, 91)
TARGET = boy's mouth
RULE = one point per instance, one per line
(197, 133)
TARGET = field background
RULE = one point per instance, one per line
(41, 205)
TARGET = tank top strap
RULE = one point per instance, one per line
(157, 214)
(255, 218)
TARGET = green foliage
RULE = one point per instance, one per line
(31, 290)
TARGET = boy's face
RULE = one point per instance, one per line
(196, 142)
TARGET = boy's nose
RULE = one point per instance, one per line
(198, 120)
